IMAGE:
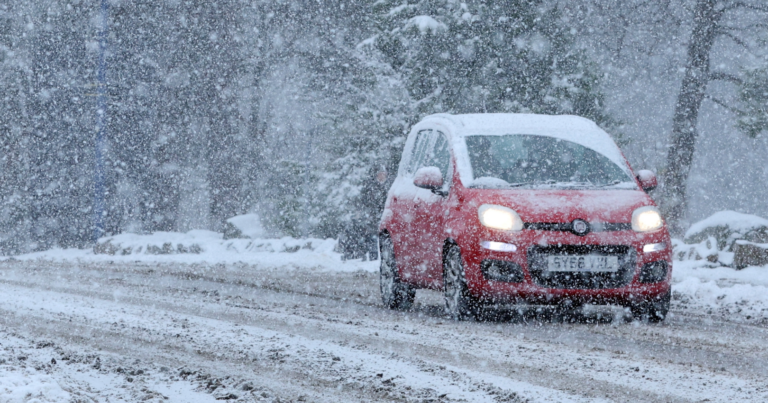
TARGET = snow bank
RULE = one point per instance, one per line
(249, 225)
(706, 250)
(200, 246)
(206, 243)
(26, 385)
(708, 285)
(726, 238)
(728, 226)
(733, 220)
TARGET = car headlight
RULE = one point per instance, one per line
(499, 217)
(646, 219)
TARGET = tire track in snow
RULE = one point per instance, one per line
(149, 329)
(551, 344)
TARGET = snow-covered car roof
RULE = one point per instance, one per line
(572, 128)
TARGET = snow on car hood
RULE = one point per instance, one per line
(557, 205)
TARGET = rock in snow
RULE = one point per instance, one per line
(728, 226)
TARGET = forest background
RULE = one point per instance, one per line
(220, 108)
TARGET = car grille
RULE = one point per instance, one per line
(537, 265)
(568, 226)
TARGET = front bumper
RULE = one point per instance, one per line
(632, 289)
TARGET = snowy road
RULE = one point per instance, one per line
(196, 333)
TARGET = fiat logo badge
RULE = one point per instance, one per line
(580, 227)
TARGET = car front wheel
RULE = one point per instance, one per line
(394, 293)
(459, 304)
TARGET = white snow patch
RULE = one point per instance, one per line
(399, 9)
(248, 224)
(66, 382)
(527, 390)
(490, 182)
(709, 285)
(180, 391)
(687, 269)
(734, 221)
(397, 367)
(426, 24)
(26, 385)
(200, 246)
(710, 293)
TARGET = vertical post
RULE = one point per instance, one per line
(305, 222)
(101, 123)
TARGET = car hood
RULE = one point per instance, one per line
(560, 206)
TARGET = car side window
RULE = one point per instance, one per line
(441, 155)
(419, 150)
(438, 155)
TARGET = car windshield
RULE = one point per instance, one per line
(540, 161)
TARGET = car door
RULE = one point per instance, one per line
(405, 234)
(430, 211)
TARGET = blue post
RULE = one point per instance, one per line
(101, 123)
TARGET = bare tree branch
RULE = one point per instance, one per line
(749, 27)
(724, 104)
(749, 6)
(734, 38)
(721, 76)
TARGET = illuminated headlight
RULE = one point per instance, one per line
(646, 219)
(499, 217)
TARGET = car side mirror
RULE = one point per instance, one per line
(429, 178)
(647, 179)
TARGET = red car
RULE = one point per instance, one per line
(522, 208)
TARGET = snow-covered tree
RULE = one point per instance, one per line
(713, 21)
(487, 56)
(753, 94)
(16, 79)
(46, 119)
(179, 131)
(349, 111)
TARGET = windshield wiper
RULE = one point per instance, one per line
(546, 182)
(555, 183)
(565, 184)
(514, 185)
(614, 183)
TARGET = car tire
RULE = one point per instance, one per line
(394, 293)
(459, 303)
(654, 311)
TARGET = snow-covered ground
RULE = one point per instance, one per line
(196, 318)
(199, 246)
(740, 293)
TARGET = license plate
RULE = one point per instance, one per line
(583, 263)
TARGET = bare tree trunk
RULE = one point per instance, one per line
(683, 140)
